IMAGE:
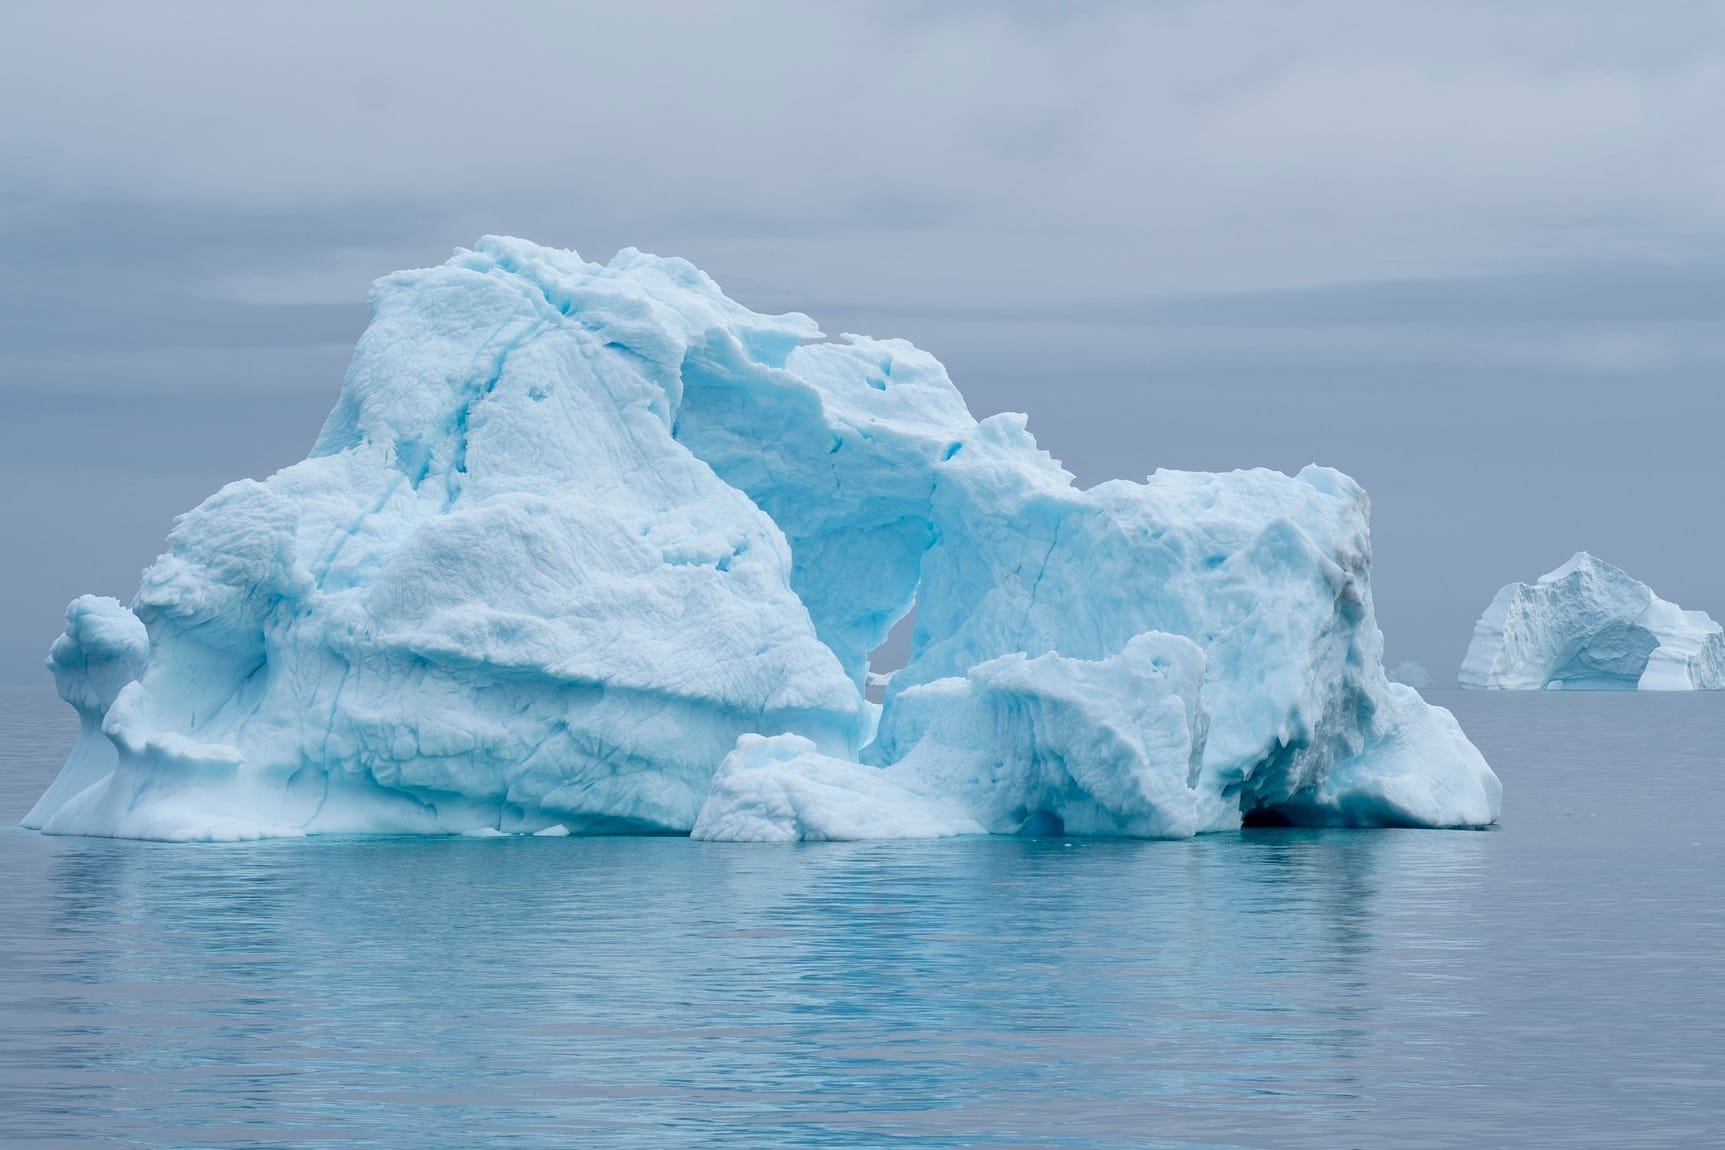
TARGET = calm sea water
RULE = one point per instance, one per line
(1559, 981)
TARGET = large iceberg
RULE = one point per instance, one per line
(593, 548)
(1591, 626)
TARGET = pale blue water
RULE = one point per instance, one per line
(1557, 982)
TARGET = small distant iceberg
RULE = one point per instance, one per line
(1412, 674)
(1591, 626)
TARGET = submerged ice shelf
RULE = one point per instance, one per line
(1591, 626)
(593, 548)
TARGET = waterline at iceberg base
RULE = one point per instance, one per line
(593, 549)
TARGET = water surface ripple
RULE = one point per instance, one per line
(1554, 982)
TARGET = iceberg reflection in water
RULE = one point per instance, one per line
(1265, 988)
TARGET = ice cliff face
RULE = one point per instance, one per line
(1590, 626)
(593, 548)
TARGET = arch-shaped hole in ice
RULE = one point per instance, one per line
(892, 654)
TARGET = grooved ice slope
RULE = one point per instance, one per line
(1591, 626)
(576, 535)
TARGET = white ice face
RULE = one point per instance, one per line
(1590, 626)
(574, 535)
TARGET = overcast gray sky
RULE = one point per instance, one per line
(1473, 254)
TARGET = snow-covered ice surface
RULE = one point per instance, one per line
(1591, 626)
(1412, 674)
(594, 549)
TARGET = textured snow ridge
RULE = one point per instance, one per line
(1591, 626)
(593, 549)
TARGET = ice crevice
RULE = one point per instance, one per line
(667, 534)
